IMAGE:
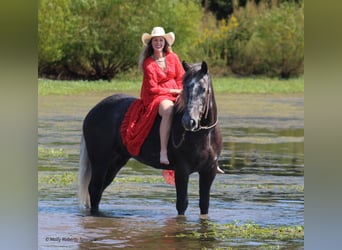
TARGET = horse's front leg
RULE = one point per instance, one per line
(181, 179)
(206, 179)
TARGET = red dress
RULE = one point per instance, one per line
(155, 88)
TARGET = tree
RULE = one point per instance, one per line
(99, 39)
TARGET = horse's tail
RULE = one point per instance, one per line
(84, 175)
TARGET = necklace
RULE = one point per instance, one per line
(160, 61)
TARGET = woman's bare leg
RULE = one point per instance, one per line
(166, 113)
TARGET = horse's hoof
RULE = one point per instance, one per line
(204, 216)
(94, 212)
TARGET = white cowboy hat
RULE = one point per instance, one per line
(158, 31)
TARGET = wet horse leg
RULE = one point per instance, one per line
(181, 180)
(101, 178)
(96, 186)
(206, 179)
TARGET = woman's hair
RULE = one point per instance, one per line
(148, 51)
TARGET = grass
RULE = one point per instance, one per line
(260, 85)
(234, 230)
(50, 87)
(248, 230)
(67, 178)
(57, 180)
(44, 153)
(257, 85)
(64, 180)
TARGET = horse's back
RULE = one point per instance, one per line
(101, 126)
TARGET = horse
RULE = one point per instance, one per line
(194, 146)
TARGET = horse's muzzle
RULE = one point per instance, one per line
(189, 123)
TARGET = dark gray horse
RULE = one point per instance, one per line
(194, 146)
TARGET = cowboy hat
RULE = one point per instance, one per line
(158, 31)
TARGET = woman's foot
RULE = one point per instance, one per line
(163, 158)
(219, 170)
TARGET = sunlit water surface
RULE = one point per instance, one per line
(263, 160)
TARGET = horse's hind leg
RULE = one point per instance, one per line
(101, 178)
(206, 179)
(115, 166)
(95, 187)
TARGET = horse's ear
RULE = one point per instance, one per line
(204, 67)
(186, 66)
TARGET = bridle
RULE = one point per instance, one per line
(206, 112)
(207, 107)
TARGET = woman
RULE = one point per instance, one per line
(163, 73)
(162, 83)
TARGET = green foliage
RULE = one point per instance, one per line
(99, 39)
(51, 153)
(268, 40)
(248, 230)
(52, 30)
(94, 41)
(265, 38)
(212, 45)
(85, 39)
(58, 180)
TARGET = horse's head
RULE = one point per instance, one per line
(196, 95)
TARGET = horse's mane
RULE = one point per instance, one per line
(180, 102)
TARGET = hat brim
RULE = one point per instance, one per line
(169, 37)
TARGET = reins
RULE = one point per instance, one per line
(180, 142)
(183, 134)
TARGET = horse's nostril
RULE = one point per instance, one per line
(189, 123)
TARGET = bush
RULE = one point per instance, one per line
(52, 31)
(99, 39)
(268, 40)
(84, 39)
(212, 45)
(263, 39)
(96, 40)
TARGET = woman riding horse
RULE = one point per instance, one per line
(114, 125)
(162, 83)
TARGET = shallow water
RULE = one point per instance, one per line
(263, 157)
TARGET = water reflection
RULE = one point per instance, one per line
(263, 151)
(136, 232)
(263, 157)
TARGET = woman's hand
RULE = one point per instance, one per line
(175, 91)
